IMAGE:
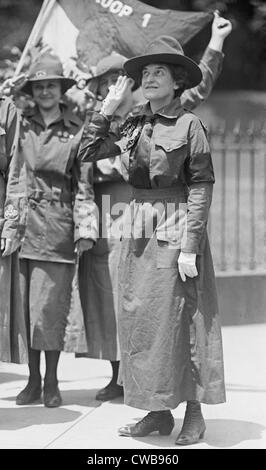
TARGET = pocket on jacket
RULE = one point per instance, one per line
(169, 144)
(167, 255)
(172, 153)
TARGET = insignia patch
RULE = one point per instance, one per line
(131, 130)
(10, 212)
(63, 136)
(40, 74)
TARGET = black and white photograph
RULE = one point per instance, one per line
(132, 228)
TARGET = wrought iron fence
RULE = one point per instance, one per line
(237, 222)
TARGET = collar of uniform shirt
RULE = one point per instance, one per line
(171, 111)
(67, 116)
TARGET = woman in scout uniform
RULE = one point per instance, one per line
(13, 208)
(98, 268)
(169, 331)
(62, 218)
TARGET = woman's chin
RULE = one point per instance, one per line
(150, 94)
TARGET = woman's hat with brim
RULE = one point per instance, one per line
(112, 63)
(47, 67)
(164, 50)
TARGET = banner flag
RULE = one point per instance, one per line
(84, 31)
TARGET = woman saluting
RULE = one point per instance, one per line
(169, 331)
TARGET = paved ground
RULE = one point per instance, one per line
(84, 423)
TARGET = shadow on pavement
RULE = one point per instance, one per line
(230, 432)
(71, 397)
(8, 377)
(84, 397)
(22, 417)
(220, 433)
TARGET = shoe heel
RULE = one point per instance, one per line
(166, 430)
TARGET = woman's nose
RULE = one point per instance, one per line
(149, 78)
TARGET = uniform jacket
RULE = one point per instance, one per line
(13, 202)
(168, 149)
(169, 332)
(211, 66)
(61, 208)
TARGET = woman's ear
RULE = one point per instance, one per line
(176, 86)
(131, 82)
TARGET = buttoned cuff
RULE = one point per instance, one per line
(98, 119)
(14, 222)
(191, 244)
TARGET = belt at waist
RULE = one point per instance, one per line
(140, 194)
(55, 194)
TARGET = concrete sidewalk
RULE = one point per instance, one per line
(84, 423)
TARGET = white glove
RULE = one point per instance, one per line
(187, 265)
(116, 95)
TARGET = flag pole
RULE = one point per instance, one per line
(38, 25)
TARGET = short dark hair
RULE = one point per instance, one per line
(180, 76)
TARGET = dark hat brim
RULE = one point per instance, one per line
(66, 83)
(111, 69)
(134, 66)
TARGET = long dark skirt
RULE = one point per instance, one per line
(169, 331)
(98, 276)
(46, 295)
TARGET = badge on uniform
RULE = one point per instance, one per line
(64, 136)
(11, 212)
(131, 130)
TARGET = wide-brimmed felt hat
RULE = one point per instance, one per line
(112, 63)
(47, 67)
(164, 50)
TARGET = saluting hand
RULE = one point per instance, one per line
(11, 85)
(187, 265)
(116, 95)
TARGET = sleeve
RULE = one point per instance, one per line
(15, 211)
(98, 141)
(85, 211)
(211, 66)
(8, 125)
(11, 123)
(15, 201)
(199, 176)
